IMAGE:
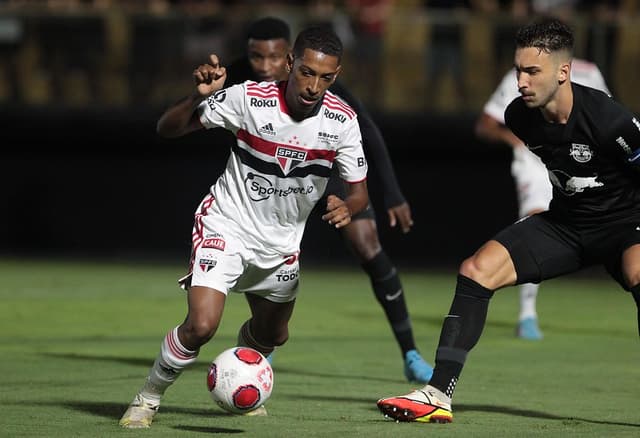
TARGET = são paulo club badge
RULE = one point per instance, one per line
(289, 157)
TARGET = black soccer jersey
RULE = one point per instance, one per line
(593, 160)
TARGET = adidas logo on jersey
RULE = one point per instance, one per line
(267, 129)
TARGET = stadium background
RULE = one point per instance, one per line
(82, 84)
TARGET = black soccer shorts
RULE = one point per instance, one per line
(542, 247)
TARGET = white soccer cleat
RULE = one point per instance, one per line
(258, 412)
(422, 405)
(140, 414)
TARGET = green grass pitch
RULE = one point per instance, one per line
(77, 339)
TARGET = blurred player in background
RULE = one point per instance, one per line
(248, 228)
(530, 175)
(268, 43)
(591, 145)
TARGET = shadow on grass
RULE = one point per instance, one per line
(146, 363)
(134, 361)
(204, 429)
(507, 410)
(493, 409)
(114, 411)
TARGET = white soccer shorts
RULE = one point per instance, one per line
(223, 262)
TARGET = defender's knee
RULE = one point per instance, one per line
(472, 268)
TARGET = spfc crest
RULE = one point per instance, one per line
(289, 157)
(581, 152)
(207, 264)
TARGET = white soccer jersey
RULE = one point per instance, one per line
(582, 72)
(279, 167)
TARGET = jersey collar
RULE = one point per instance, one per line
(282, 88)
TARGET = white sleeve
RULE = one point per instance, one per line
(596, 80)
(502, 96)
(224, 109)
(350, 159)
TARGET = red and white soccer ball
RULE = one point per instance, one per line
(240, 380)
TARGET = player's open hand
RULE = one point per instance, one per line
(401, 214)
(210, 77)
(338, 213)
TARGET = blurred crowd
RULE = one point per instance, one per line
(402, 55)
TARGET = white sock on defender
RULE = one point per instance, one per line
(528, 295)
(168, 366)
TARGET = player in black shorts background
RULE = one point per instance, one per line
(590, 145)
(268, 45)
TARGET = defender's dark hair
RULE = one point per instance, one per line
(319, 38)
(546, 34)
(269, 28)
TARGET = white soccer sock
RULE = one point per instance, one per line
(168, 366)
(528, 295)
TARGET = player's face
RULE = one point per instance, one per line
(310, 76)
(268, 59)
(539, 75)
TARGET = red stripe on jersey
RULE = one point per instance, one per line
(337, 108)
(339, 105)
(252, 85)
(263, 96)
(254, 90)
(269, 147)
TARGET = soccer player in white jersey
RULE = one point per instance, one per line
(248, 229)
(268, 43)
(530, 175)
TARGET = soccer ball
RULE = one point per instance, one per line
(240, 380)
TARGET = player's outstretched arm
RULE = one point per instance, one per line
(339, 211)
(489, 129)
(401, 214)
(182, 117)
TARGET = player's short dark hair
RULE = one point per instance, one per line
(546, 34)
(269, 28)
(319, 38)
